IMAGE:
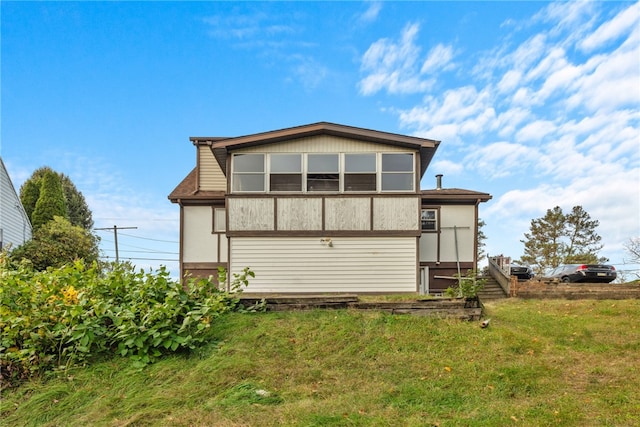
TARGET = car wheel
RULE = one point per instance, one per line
(566, 279)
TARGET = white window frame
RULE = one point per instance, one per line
(304, 173)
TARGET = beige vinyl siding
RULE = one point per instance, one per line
(211, 177)
(348, 213)
(384, 264)
(323, 144)
(251, 214)
(299, 214)
(396, 213)
(199, 244)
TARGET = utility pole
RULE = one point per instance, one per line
(115, 229)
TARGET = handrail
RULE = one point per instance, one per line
(497, 272)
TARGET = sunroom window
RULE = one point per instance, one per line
(397, 172)
(286, 172)
(360, 172)
(323, 172)
(248, 172)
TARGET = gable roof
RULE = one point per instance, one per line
(221, 146)
(188, 189)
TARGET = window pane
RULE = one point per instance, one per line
(322, 163)
(397, 162)
(323, 182)
(248, 163)
(360, 182)
(286, 163)
(285, 182)
(219, 220)
(428, 214)
(248, 182)
(428, 219)
(360, 162)
(397, 182)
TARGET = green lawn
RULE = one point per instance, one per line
(539, 363)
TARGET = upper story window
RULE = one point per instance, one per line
(323, 172)
(285, 172)
(360, 172)
(248, 172)
(397, 172)
(429, 219)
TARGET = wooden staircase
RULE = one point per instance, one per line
(492, 290)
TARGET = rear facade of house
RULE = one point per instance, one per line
(324, 208)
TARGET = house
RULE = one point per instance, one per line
(15, 227)
(324, 208)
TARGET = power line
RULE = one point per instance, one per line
(148, 238)
(115, 235)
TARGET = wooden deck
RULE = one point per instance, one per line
(458, 308)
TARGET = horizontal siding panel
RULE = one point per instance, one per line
(322, 144)
(306, 265)
(211, 176)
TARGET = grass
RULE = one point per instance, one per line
(539, 363)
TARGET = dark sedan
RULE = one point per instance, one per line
(591, 273)
(521, 272)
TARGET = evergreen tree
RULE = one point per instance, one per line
(29, 193)
(51, 201)
(78, 212)
(481, 238)
(557, 239)
(584, 242)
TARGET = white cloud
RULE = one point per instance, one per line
(371, 14)
(391, 65)
(439, 58)
(446, 167)
(561, 125)
(613, 29)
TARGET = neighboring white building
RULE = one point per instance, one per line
(324, 208)
(15, 227)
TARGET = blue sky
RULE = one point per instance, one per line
(536, 103)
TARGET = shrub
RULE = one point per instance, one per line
(66, 316)
(468, 285)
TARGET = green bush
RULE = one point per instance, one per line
(468, 286)
(63, 317)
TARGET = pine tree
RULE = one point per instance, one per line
(543, 246)
(51, 201)
(584, 242)
(557, 239)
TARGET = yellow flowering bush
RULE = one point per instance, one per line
(66, 316)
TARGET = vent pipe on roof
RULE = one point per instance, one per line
(439, 181)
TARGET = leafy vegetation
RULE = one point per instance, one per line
(559, 238)
(63, 317)
(57, 243)
(468, 285)
(539, 363)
